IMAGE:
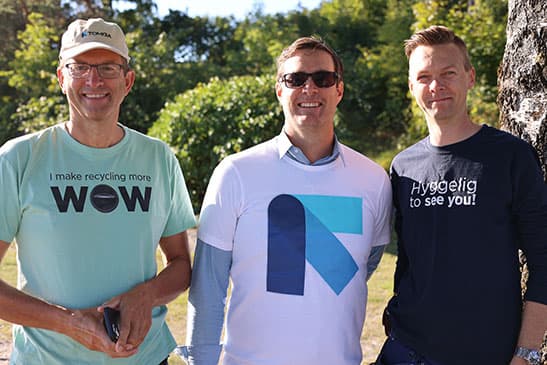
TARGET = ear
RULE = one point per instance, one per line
(340, 90)
(129, 81)
(410, 85)
(278, 90)
(471, 78)
(61, 79)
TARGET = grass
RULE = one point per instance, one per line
(380, 289)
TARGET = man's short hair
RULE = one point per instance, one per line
(437, 35)
(314, 44)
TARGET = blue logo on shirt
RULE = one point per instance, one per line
(300, 229)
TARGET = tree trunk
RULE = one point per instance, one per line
(522, 81)
(522, 78)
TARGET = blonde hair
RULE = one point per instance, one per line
(436, 35)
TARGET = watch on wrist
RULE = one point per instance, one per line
(532, 356)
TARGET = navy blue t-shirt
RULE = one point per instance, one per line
(462, 213)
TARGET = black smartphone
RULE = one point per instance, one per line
(111, 318)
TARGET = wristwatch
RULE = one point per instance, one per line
(532, 356)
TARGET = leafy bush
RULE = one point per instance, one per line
(214, 120)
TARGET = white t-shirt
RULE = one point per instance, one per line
(300, 237)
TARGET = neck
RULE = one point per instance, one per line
(94, 134)
(446, 133)
(314, 146)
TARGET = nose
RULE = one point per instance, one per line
(93, 78)
(309, 85)
(436, 85)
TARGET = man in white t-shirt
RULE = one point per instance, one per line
(298, 223)
(88, 202)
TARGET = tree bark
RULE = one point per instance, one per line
(522, 77)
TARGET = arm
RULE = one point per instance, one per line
(206, 305)
(531, 211)
(374, 258)
(401, 265)
(534, 315)
(84, 326)
(533, 328)
(136, 304)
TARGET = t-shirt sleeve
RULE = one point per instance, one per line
(10, 206)
(221, 207)
(384, 214)
(181, 215)
(530, 209)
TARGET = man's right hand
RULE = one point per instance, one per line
(86, 327)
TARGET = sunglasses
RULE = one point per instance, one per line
(295, 80)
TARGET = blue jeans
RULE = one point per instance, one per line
(395, 353)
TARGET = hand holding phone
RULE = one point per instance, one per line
(111, 318)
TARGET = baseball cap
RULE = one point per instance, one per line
(95, 33)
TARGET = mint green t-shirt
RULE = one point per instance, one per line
(87, 222)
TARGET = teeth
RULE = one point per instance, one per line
(95, 96)
(309, 105)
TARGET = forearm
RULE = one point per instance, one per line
(533, 329)
(173, 280)
(374, 258)
(534, 325)
(82, 325)
(175, 277)
(20, 308)
(206, 303)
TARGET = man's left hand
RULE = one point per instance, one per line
(135, 308)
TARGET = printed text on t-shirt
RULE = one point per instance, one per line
(450, 193)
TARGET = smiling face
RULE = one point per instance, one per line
(93, 98)
(309, 108)
(439, 82)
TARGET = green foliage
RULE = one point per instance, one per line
(375, 104)
(482, 27)
(31, 74)
(33, 69)
(172, 55)
(262, 38)
(8, 129)
(178, 54)
(214, 120)
(39, 113)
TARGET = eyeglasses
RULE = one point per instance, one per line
(105, 70)
(323, 79)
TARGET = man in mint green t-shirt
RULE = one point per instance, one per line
(87, 203)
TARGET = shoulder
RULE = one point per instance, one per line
(259, 153)
(25, 144)
(143, 141)
(353, 158)
(415, 152)
(419, 147)
(246, 162)
(504, 144)
(362, 170)
(141, 137)
(490, 134)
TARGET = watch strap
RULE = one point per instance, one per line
(533, 357)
